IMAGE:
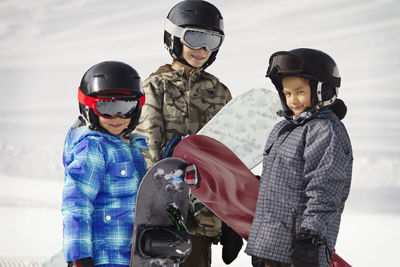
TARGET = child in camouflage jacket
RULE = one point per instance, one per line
(181, 98)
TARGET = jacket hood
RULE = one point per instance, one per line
(80, 131)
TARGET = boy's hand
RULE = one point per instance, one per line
(306, 251)
(85, 262)
(231, 243)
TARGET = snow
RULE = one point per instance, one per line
(32, 228)
(365, 239)
(47, 45)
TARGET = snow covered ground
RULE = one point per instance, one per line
(47, 45)
(31, 228)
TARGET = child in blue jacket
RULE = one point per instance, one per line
(103, 167)
(307, 165)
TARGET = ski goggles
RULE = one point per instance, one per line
(195, 38)
(284, 63)
(112, 107)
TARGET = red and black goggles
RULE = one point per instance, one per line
(284, 63)
(123, 106)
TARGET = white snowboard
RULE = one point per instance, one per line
(245, 122)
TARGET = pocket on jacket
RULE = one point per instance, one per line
(124, 179)
(122, 169)
(111, 226)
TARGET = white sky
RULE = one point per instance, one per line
(47, 45)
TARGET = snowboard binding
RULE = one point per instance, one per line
(164, 244)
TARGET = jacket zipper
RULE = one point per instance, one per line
(294, 218)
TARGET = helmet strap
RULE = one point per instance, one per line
(328, 102)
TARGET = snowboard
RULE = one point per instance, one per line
(225, 181)
(161, 192)
(244, 124)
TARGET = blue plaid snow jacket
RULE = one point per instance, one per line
(305, 182)
(102, 175)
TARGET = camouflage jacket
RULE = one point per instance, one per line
(176, 105)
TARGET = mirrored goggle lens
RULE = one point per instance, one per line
(198, 39)
(284, 63)
(121, 108)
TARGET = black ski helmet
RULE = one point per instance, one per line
(106, 77)
(194, 13)
(313, 64)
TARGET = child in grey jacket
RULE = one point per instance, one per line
(307, 165)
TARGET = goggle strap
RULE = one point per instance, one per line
(178, 31)
(173, 29)
(91, 101)
(142, 100)
(86, 100)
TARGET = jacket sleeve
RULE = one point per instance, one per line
(327, 161)
(228, 95)
(151, 123)
(84, 171)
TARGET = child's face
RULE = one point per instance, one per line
(195, 57)
(297, 92)
(114, 126)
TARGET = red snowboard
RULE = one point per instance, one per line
(227, 186)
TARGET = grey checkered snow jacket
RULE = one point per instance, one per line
(304, 183)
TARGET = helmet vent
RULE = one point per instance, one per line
(190, 11)
(99, 76)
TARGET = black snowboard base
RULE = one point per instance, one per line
(161, 193)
